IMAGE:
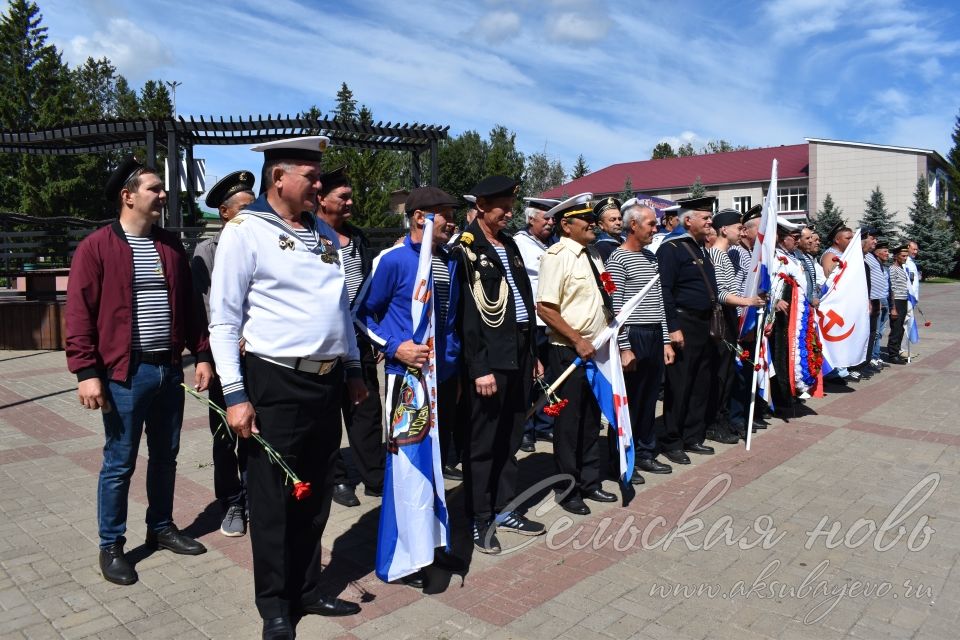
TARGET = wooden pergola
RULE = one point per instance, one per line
(186, 133)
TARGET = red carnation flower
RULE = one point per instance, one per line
(608, 284)
(927, 323)
(756, 367)
(782, 259)
(301, 490)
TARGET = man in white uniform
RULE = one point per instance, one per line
(277, 284)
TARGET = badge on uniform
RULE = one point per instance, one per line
(286, 242)
(517, 262)
(329, 258)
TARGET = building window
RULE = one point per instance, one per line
(742, 203)
(792, 199)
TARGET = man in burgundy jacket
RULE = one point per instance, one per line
(129, 317)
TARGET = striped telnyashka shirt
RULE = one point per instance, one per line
(726, 278)
(521, 309)
(352, 269)
(899, 282)
(151, 301)
(441, 292)
(631, 271)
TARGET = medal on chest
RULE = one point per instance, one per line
(286, 242)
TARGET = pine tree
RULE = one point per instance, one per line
(502, 157)
(627, 192)
(697, 190)
(877, 216)
(953, 181)
(580, 169)
(155, 102)
(929, 229)
(346, 109)
(827, 217)
(663, 150)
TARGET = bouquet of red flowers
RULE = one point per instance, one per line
(555, 405)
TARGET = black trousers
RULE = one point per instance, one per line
(896, 328)
(643, 386)
(451, 436)
(492, 437)
(576, 431)
(297, 415)
(689, 380)
(364, 427)
(229, 455)
(780, 355)
(874, 321)
(540, 422)
(726, 372)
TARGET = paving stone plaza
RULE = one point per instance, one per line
(841, 522)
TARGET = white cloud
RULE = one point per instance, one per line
(576, 27)
(498, 26)
(135, 52)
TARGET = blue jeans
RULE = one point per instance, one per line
(152, 396)
(881, 325)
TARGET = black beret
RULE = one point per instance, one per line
(427, 199)
(834, 230)
(333, 179)
(882, 244)
(726, 217)
(495, 187)
(697, 204)
(901, 247)
(120, 176)
(752, 213)
(228, 186)
(603, 204)
(870, 231)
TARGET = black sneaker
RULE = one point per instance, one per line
(516, 523)
(485, 537)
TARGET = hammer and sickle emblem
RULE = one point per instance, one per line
(833, 318)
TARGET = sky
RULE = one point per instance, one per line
(606, 79)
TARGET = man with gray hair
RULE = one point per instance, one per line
(644, 342)
(533, 242)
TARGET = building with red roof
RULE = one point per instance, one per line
(807, 172)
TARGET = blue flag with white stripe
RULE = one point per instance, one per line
(413, 516)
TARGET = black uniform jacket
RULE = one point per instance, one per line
(485, 348)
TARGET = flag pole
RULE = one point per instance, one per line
(753, 384)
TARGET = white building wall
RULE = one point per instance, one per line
(849, 174)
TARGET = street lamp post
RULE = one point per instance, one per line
(173, 88)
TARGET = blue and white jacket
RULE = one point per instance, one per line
(381, 310)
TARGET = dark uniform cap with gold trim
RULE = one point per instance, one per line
(495, 187)
(333, 179)
(120, 176)
(306, 148)
(752, 213)
(604, 204)
(697, 204)
(228, 186)
(725, 218)
(576, 207)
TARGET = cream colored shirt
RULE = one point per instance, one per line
(567, 281)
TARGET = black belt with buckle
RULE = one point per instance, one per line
(154, 357)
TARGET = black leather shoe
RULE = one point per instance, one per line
(599, 495)
(452, 473)
(651, 465)
(528, 444)
(702, 449)
(676, 457)
(278, 629)
(345, 495)
(545, 436)
(331, 607)
(414, 580)
(172, 540)
(373, 492)
(114, 565)
(759, 424)
(721, 437)
(576, 506)
(636, 478)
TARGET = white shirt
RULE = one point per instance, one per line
(531, 250)
(282, 298)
